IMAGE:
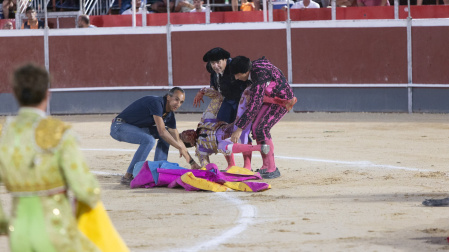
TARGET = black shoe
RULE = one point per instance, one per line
(126, 181)
(271, 175)
(436, 202)
(261, 171)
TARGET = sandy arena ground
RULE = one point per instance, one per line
(350, 182)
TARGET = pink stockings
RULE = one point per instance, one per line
(246, 150)
(230, 160)
(268, 163)
(246, 160)
(237, 148)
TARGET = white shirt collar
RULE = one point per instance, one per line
(33, 110)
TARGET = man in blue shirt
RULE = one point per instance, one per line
(147, 119)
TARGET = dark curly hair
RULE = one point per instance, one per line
(30, 84)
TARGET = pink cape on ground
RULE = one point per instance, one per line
(162, 174)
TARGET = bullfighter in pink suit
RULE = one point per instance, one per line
(268, 80)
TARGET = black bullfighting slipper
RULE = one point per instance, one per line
(271, 175)
(436, 202)
(261, 171)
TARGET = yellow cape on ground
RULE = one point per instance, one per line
(202, 184)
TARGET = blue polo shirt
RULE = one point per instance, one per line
(140, 113)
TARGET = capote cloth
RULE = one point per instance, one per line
(149, 174)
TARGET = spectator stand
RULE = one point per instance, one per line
(71, 5)
(67, 19)
(88, 7)
(56, 20)
(62, 19)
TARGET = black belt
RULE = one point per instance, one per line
(118, 120)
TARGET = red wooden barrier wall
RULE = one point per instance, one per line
(355, 55)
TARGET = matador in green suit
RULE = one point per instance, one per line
(39, 162)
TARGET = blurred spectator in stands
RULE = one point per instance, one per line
(84, 22)
(161, 6)
(9, 7)
(124, 5)
(198, 4)
(323, 3)
(32, 22)
(7, 26)
(419, 2)
(347, 3)
(247, 6)
(184, 5)
(234, 4)
(304, 4)
(256, 4)
(361, 3)
(338, 3)
(139, 9)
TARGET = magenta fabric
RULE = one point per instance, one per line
(165, 178)
(171, 178)
(174, 173)
(238, 177)
(144, 178)
(257, 186)
(173, 184)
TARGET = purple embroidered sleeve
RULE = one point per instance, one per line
(211, 93)
(203, 158)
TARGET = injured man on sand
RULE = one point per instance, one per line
(213, 136)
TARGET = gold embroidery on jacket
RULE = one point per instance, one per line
(49, 133)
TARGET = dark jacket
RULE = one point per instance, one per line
(226, 84)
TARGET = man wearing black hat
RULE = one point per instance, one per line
(218, 65)
(218, 61)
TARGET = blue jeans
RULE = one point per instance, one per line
(144, 137)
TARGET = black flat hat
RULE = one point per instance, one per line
(216, 54)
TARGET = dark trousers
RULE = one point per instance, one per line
(228, 111)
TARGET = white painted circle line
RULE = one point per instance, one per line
(246, 218)
(106, 173)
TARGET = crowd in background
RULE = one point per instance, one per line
(124, 7)
(160, 6)
(9, 7)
